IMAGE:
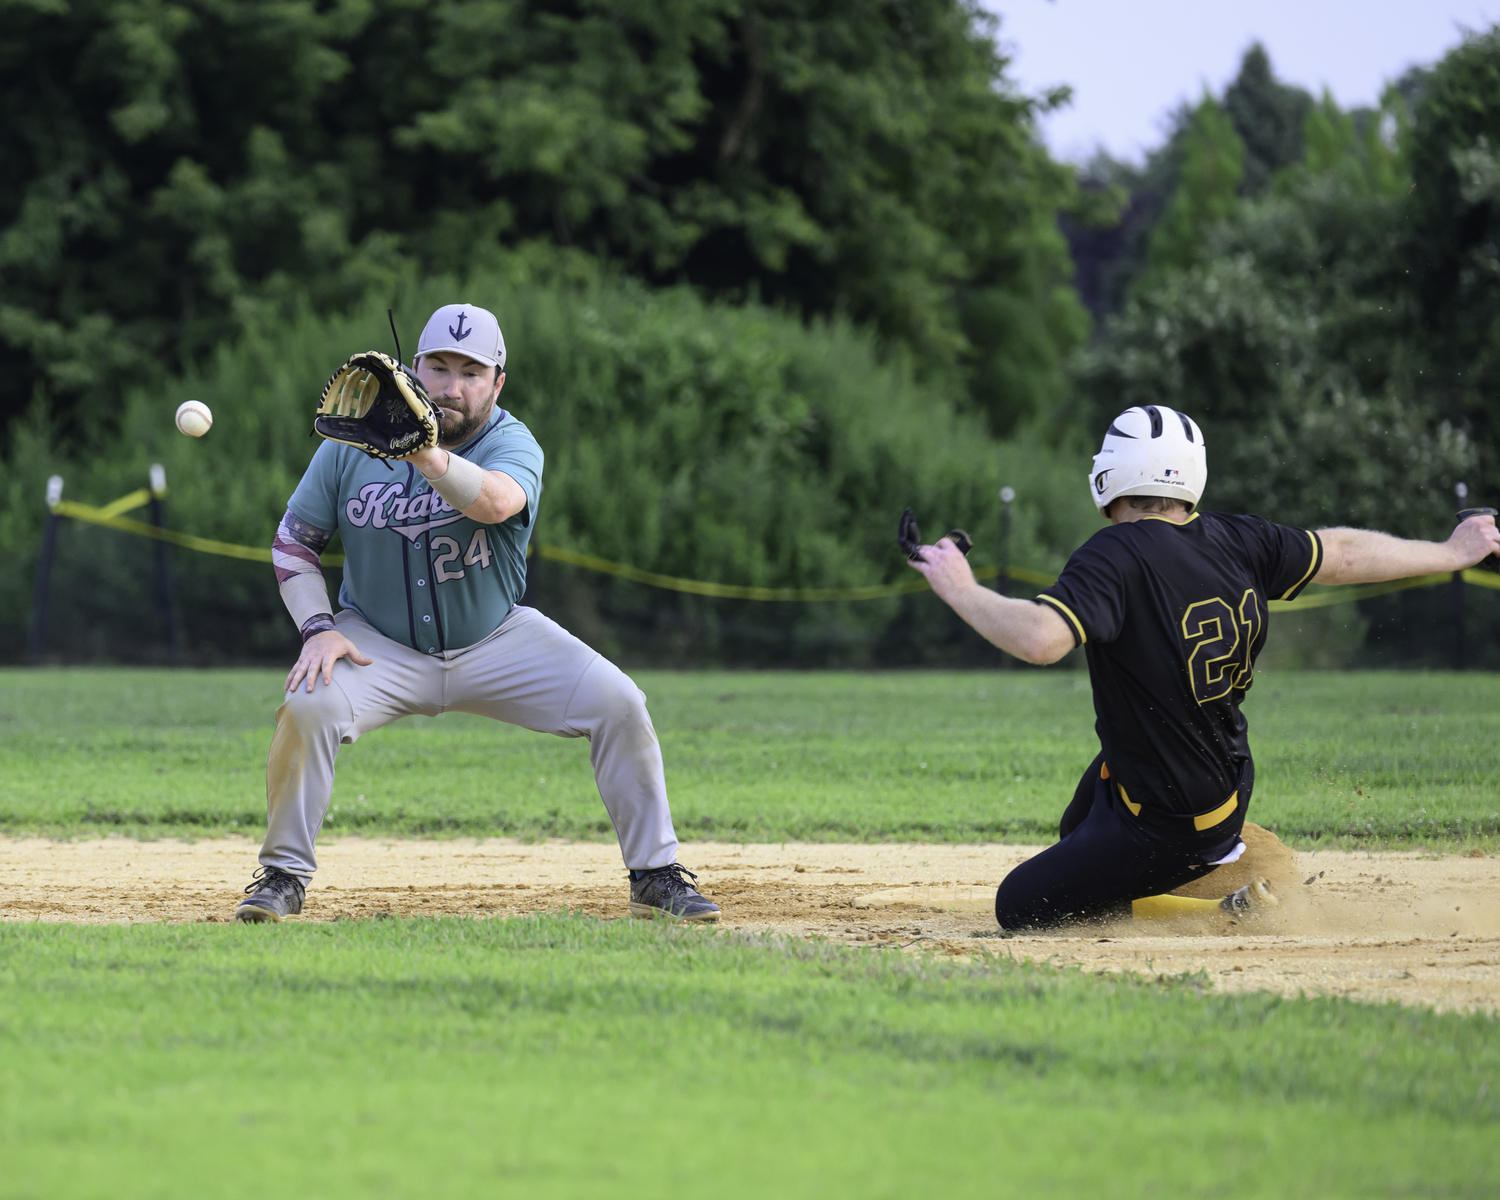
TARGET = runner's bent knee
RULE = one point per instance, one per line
(1016, 905)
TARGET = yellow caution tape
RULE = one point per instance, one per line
(103, 516)
(727, 591)
(128, 503)
(730, 591)
(110, 516)
(697, 587)
(734, 591)
(1019, 574)
(1484, 579)
(1347, 595)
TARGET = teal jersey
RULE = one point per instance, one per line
(418, 570)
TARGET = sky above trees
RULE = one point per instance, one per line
(1131, 65)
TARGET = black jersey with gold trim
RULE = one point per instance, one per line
(1171, 617)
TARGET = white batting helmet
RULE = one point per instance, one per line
(1150, 451)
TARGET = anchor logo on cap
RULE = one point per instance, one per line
(460, 333)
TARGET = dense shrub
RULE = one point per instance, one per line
(729, 444)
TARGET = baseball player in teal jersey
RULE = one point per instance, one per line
(429, 623)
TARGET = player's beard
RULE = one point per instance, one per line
(456, 426)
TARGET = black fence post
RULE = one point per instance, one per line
(1456, 593)
(36, 635)
(1456, 587)
(164, 593)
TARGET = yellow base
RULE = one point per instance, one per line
(1168, 908)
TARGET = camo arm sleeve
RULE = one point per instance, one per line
(299, 574)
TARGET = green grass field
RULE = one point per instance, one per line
(559, 1055)
(1374, 759)
(563, 1056)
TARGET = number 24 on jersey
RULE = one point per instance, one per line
(478, 555)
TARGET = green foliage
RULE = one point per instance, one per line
(435, 1058)
(1288, 334)
(1291, 432)
(1269, 118)
(1213, 163)
(1452, 237)
(1368, 759)
(1359, 290)
(1339, 335)
(1367, 150)
(1265, 115)
(731, 444)
(176, 167)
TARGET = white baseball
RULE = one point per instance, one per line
(193, 418)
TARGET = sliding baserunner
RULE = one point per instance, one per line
(1170, 605)
(435, 549)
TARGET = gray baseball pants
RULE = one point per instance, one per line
(530, 672)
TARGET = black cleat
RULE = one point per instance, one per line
(272, 895)
(665, 891)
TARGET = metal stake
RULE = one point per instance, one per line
(1456, 595)
(1007, 494)
(36, 636)
(164, 593)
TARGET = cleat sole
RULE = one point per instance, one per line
(254, 914)
(1254, 899)
(1260, 888)
(649, 913)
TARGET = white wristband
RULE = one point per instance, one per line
(461, 483)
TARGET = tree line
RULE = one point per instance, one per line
(1319, 287)
(175, 167)
(197, 179)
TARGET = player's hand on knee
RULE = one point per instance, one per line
(944, 567)
(319, 653)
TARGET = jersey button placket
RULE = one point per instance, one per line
(428, 599)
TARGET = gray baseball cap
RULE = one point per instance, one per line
(464, 329)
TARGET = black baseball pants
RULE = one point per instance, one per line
(1109, 856)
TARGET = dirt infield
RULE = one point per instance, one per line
(1410, 927)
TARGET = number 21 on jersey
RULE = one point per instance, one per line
(1220, 642)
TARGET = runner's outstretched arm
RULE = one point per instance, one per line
(1364, 556)
(1030, 631)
